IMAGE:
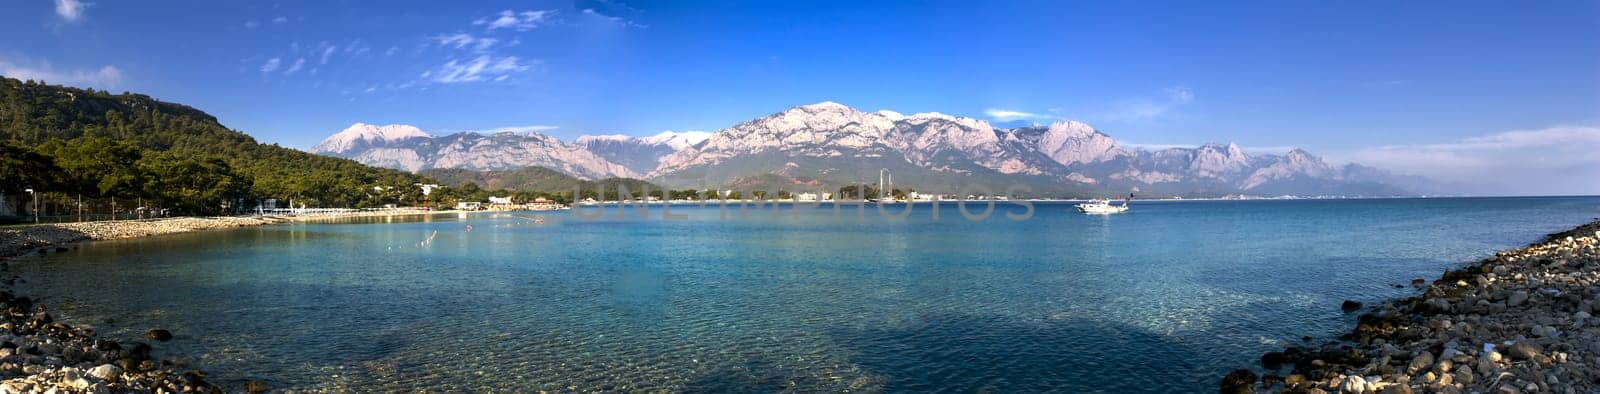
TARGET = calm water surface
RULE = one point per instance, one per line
(1165, 298)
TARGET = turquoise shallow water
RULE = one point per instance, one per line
(1165, 298)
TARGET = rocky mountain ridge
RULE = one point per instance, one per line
(827, 143)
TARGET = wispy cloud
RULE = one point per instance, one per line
(71, 10)
(464, 40)
(1554, 160)
(356, 48)
(298, 63)
(107, 76)
(251, 24)
(1006, 115)
(609, 19)
(482, 68)
(327, 53)
(1179, 95)
(1151, 108)
(271, 65)
(280, 20)
(519, 21)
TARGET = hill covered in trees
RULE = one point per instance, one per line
(81, 141)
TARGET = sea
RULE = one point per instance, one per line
(1167, 297)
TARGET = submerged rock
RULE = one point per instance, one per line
(256, 386)
(1350, 305)
(158, 335)
(1240, 381)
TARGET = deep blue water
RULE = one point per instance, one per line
(1167, 297)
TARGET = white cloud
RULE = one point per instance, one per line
(107, 76)
(327, 53)
(271, 65)
(484, 67)
(1147, 108)
(1554, 160)
(1006, 115)
(392, 50)
(464, 40)
(1180, 95)
(519, 21)
(356, 48)
(251, 24)
(71, 10)
(280, 20)
(298, 63)
(617, 20)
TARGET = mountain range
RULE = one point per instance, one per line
(826, 145)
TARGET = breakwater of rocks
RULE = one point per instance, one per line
(1522, 321)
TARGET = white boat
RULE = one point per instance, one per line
(1104, 206)
(886, 195)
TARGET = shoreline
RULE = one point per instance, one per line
(39, 354)
(19, 240)
(1521, 321)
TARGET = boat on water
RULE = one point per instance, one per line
(886, 194)
(1104, 206)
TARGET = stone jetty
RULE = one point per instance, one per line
(1522, 321)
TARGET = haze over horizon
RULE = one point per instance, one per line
(1498, 96)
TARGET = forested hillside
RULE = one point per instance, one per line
(68, 140)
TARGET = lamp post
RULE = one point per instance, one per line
(33, 198)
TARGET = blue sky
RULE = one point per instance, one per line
(1373, 81)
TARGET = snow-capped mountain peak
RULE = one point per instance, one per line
(586, 139)
(894, 116)
(921, 117)
(677, 139)
(826, 106)
(359, 133)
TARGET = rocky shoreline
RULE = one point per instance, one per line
(24, 239)
(1521, 321)
(20, 240)
(41, 355)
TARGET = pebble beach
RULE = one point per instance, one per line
(1522, 321)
